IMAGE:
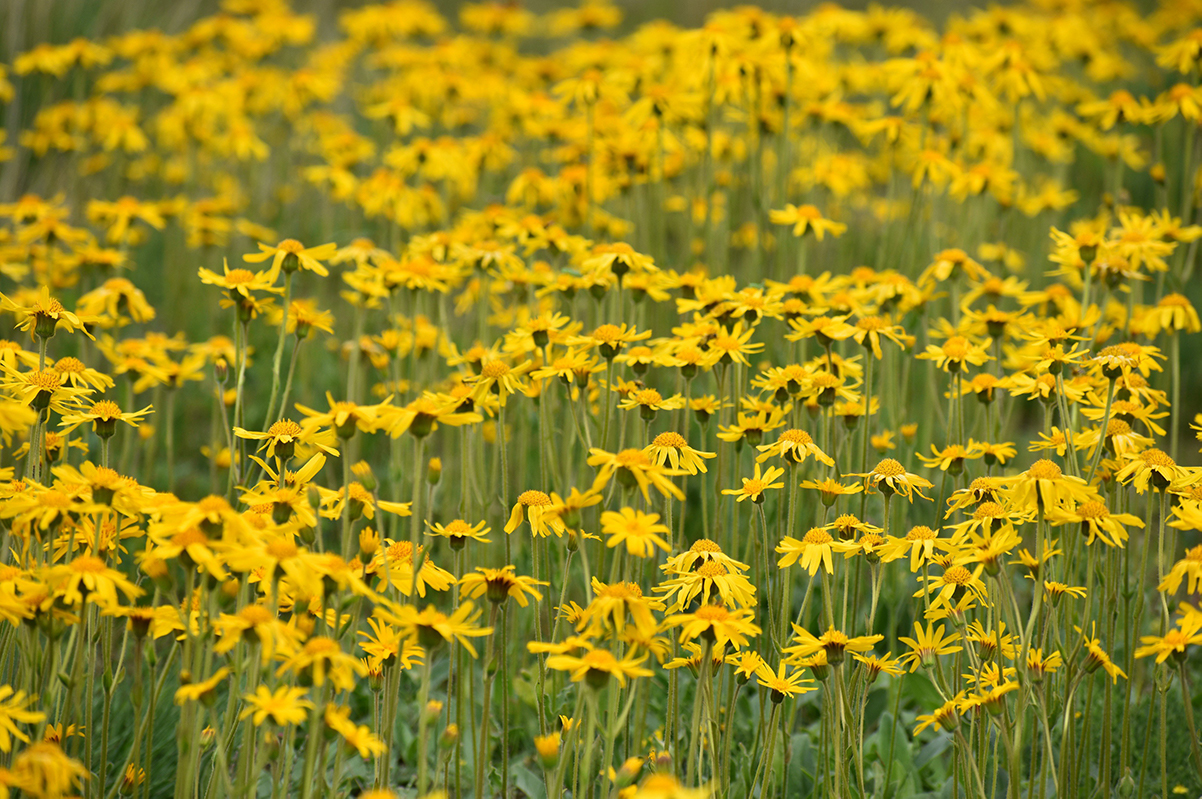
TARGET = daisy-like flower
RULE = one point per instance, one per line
(87, 576)
(955, 354)
(344, 417)
(794, 446)
(597, 666)
(43, 389)
(648, 402)
(537, 508)
(834, 643)
(1097, 658)
(639, 531)
(747, 663)
(615, 607)
(831, 489)
(951, 458)
(890, 477)
(609, 339)
(423, 415)
(432, 624)
(754, 487)
(927, 644)
(290, 255)
(785, 682)
(501, 584)
(633, 467)
(203, 691)
(813, 551)
(956, 581)
(239, 283)
(1188, 632)
(457, 532)
(1044, 485)
(281, 438)
(871, 329)
(284, 706)
(716, 624)
(43, 315)
(104, 416)
(1188, 569)
(1097, 522)
(700, 552)
(1150, 466)
(875, 665)
(14, 711)
(710, 581)
(498, 378)
(806, 219)
(672, 448)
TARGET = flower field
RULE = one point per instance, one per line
(402, 400)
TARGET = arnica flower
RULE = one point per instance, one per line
(1044, 485)
(834, 643)
(876, 665)
(597, 666)
(280, 440)
(457, 532)
(953, 584)
(793, 446)
(284, 706)
(14, 711)
(813, 551)
(711, 581)
(699, 553)
(43, 316)
(1096, 657)
(1174, 642)
(715, 624)
(537, 509)
(928, 643)
(501, 584)
(805, 219)
(1097, 522)
(955, 354)
(754, 487)
(104, 416)
(831, 489)
(239, 283)
(617, 605)
(1150, 466)
(1189, 569)
(203, 691)
(639, 531)
(672, 448)
(784, 683)
(290, 255)
(432, 625)
(633, 467)
(890, 477)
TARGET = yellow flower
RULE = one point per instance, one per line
(596, 667)
(13, 711)
(500, 584)
(290, 255)
(832, 643)
(201, 691)
(754, 487)
(716, 624)
(927, 645)
(675, 450)
(639, 531)
(793, 446)
(42, 315)
(804, 219)
(285, 705)
(890, 477)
